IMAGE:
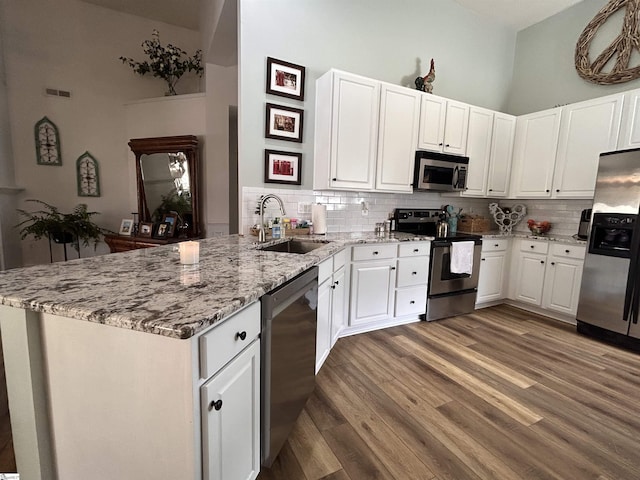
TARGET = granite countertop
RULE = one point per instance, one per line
(546, 237)
(149, 290)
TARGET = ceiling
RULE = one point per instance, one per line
(517, 14)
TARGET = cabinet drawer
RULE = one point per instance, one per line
(223, 343)
(494, 244)
(414, 249)
(568, 250)
(374, 252)
(339, 259)
(412, 271)
(533, 246)
(411, 301)
(325, 269)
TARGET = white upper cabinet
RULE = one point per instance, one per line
(504, 128)
(489, 148)
(346, 136)
(443, 125)
(587, 129)
(478, 150)
(398, 134)
(630, 129)
(365, 134)
(534, 154)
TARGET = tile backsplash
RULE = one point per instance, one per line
(345, 209)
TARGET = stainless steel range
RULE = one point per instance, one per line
(449, 293)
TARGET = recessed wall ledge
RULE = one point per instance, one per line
(6, 190)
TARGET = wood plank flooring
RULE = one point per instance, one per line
(499, 394)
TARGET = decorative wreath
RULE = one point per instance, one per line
(622, 46)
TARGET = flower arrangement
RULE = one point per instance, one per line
(166, 62)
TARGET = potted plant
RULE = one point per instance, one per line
(74, 227)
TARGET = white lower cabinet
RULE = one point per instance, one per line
(563, 278)
(493, 270)
(412, 279)
(231, 427)
(372, 288)
(230, 406)
(331, 310)
(548, 275)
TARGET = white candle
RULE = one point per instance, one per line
(189, 253)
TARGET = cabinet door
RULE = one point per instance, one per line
(354, 131)
(432, 117)
(530, 278)
(630, 130)
(491, 278)
(535, 153)
(323, 330)
(478, 150)
(338, 305)
(231, 419)
(504, 130)
(587, 129)
(562, 285)
(397, 137)
(372, 288)
(455, 128)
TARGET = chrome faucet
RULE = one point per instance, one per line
(262, 236)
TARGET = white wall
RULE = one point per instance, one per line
(544, 72)
(72, 45)
(378, 39)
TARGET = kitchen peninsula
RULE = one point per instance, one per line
(104, 355)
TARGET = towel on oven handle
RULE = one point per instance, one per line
(462, 257)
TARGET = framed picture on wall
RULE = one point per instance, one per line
(285, 79)
(284, 123)
(282, 167)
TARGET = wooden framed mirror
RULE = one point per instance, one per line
(168, 180)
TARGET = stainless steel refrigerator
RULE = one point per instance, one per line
(610, 293)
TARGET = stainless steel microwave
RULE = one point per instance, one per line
(440, 172)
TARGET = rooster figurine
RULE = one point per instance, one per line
(424, 84)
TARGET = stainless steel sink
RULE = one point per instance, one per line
(294, 246)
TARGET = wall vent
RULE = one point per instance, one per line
(52, 92)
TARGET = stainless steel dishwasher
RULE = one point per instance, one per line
(288, 344)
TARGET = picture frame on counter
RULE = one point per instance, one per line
(126, 227)
(285, 79)
(282, 167)
(284, 123)
(162, 231)
(146, 229)
(172, 220)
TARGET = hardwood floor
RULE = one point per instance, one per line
(499, 394)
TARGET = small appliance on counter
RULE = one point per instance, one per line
(583, 229)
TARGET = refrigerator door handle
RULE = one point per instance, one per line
(632, 294)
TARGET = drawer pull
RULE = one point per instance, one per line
(553, 263)
(416, 250)
(414, 273)
(217, 405)
(496, 245)
(532, 246)
(241, 335)
(337, 282)
(567, 251)
(541, 261)
(483, 259)
(412, 302)
(376, 252)
(393, 268)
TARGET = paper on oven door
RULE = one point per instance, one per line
(462, 257)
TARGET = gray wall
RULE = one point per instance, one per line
(544, 72)
(375, 38)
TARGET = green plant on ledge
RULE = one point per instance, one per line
(74, 227)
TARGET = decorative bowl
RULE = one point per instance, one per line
(539, 228)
